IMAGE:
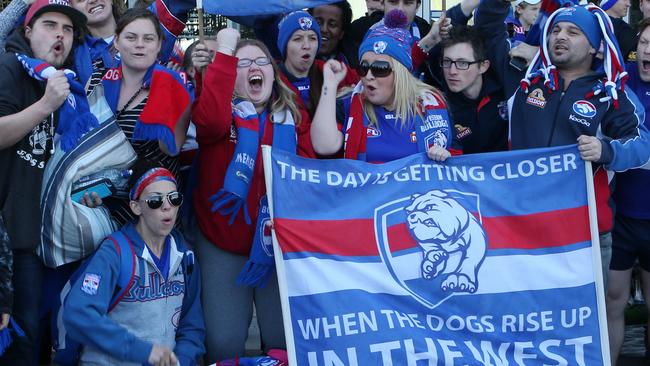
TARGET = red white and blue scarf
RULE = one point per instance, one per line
(75, 118)
(168, 100)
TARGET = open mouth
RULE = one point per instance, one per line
(645, 66)
(96, 9)
(371, 88)
(58, 47)
(139, 55)
(256, 81)
(306, 57)
(168, 221)
(324, 38)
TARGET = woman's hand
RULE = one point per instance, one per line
(227, 39)
(437, 153)
(334, 72)
(91, 200)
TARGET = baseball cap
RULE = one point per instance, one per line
(60, 6)
(529, 2)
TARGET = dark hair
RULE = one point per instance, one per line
(643, 24)
(134, 14)
(346, 13)
(118, 7)
(465, 34)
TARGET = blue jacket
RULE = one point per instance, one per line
(154, 310)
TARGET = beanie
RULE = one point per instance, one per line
(390, 38)
(583, 19)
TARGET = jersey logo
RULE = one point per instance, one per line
(584, 109)
(536, 98)
(372, 132)
(379, 46)
(90, 284)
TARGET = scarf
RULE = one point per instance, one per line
(75, 118)
(168, 100)
(90, 50)
(433, 129)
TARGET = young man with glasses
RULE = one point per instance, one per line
(159, 319)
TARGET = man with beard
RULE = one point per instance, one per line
(27, 123)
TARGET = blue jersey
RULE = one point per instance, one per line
(388, 140)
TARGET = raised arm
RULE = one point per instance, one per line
(325, 135)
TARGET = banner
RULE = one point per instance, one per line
(481, 260)
(257, 7)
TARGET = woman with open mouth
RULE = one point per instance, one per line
(390, 114)
(243, 105)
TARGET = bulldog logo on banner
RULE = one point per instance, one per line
(447, 249)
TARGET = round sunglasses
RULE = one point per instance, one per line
(155, 201)
(380, 69)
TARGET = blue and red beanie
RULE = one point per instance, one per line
(297, 20)
(583, 19)
(390, 37)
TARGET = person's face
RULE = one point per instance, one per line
(254, 82)
(301, 52)
(460, 81)
(643, 55)
(569, 47)
(374, 5)
(378, 90)
(330, 20)
(97, 11)
(138, 44)
(619, 10)
(410, 7)
(50, 38)
(644, 6)
(159, 221)
(528, 13)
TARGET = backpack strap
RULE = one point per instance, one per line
(126, 251)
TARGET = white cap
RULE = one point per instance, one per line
(530, 2)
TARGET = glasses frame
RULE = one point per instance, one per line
(246, 62)
(155, 201)
(377, 68)
(455, 63)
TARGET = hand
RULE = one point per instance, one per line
(437, 153)
(444, 24)
(56, 90)
(201, 57)
(174, 66)
(590, 148)
(334, 71)
(162, 356)
(4, 321)
(91, 200)
(525, 51)
(227, 39)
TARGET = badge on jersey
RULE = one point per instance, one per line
(536, 98)
(584, 108)
(90, 284)
(462, 131)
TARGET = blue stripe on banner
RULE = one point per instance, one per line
(524, 173)
(540, 251)
(256, 7)
(357, 328)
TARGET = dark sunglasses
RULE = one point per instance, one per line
(156, 201)
(380, 69)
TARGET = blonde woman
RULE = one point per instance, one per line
(390, 114)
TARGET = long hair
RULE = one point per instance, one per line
(408, 92)
(282, 98)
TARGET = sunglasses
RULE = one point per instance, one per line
(156, 201)
(260, 61)
(380, 69)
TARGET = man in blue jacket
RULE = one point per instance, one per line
(570, 96)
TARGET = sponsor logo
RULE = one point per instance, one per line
(584, 109)
(379, 46)
(414, 137)
(582, 121)
(462, 131)
(242, 176)
(372, 132)
(536, 98)
(90, 283)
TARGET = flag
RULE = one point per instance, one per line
(255, 7)
(483, 259)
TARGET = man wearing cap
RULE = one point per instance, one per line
(569, 96)
(28, 119)
(524, 15)
(625, 34)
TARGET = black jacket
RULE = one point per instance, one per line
(22, 165)
(626, 36)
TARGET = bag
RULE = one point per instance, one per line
(67, 349)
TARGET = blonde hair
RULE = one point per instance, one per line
(282, 97)
(408, 93)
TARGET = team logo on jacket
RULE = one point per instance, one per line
(372, 132)
(441, 251)
(536, 98)
(379, 46)
(305, 23)
(502, 108)
(462, 131)
(90, 284)
(584, 109)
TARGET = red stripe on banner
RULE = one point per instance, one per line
(168, 20)
(357, 237)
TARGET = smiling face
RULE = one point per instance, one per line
(254, 82)
(50, 38)
(157, 222)
(330, 20)
(301, 52)
(138, 44)
(569, 47)
(379, 90)
(98, 12)
(643, 55)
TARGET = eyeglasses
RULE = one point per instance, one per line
(155, 201)
(380, 69)
(260, 61)
(460, 64)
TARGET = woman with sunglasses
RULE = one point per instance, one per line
(243, 105)
(159, 320)
(390, 114)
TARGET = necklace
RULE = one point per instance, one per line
(137, 92)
